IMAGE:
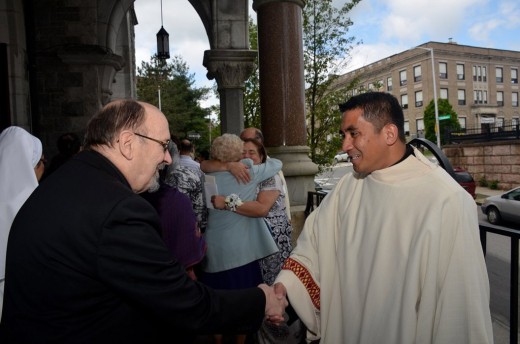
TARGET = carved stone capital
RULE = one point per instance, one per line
(230, 68)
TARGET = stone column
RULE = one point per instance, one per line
(230, 68)
(282, 95)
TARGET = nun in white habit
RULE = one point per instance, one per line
(21, 166)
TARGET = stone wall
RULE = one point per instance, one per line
(492, 160)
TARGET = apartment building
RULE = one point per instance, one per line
(480, 83)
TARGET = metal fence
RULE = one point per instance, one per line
(485, 133)
(514, 235)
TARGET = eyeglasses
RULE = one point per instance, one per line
(164, 144)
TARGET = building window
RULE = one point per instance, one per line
(479, 73)
(477, 95)
(402, 78)
(514, 99)
(499, 72)
(514, 75)
(515, 121)
(461, 95)
(370, 86)
(460, 72)
(419, 124)
(500, 122)
(417, 75)
(480, 97)
(500, 98)
(380, 85)
(389, 84)
(443, 70)
(418, 99)
(444, 93)
(404, 101)
(406, 128)
(462, 122)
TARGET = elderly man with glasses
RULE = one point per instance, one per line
(85, 259)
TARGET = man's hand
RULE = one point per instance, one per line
(280, 290)
(239, 171)
(274, 304)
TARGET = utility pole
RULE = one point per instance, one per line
(437, 127)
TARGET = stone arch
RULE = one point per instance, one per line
(110, 17)
(203, 9)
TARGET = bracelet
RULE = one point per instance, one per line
(233, 202)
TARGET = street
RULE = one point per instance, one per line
(328, 179)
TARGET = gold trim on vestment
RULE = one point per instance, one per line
(305, 277)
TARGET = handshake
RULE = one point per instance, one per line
(275, 302)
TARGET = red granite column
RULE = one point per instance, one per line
(282, 97)
(280, 52)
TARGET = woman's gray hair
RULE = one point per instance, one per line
(227, 148)
(167, 174)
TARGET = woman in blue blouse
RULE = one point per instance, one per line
(236, 243)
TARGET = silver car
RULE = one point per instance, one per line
(340, 157)
(504, 207)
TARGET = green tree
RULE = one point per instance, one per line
(252, 85)
(327, 45)
(329, 122)
(180, 100)
(444, 109)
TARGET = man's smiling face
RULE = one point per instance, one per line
(367, 148)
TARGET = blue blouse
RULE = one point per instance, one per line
(234, 240)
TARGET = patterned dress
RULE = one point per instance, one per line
(189, 182)
(281, 231)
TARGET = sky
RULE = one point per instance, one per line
(385, 27)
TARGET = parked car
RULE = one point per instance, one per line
(465, 180)
(340, 157)
(503, 207)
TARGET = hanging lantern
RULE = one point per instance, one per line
(163, 45)
(163, 42)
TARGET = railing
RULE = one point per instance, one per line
(484, 134)
(514, 234)
(314, 199)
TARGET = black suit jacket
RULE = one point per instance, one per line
(86, 263)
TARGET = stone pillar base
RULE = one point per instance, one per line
(299, 172)
(298, 169)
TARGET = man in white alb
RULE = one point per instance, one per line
(392, 255)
